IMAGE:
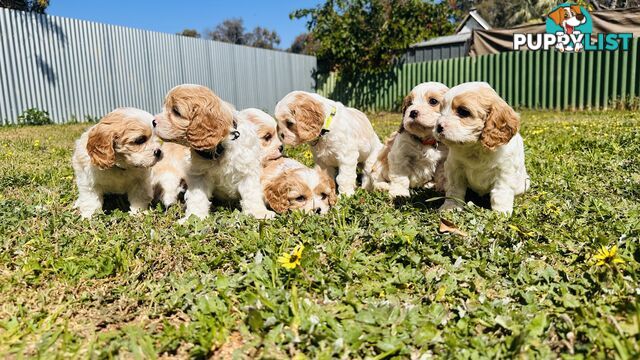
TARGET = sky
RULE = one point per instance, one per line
(174, 16)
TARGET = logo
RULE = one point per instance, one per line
(569, 28)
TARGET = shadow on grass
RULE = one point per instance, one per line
(428, 199)
(113, 202)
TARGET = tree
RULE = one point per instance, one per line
(357, 36)
(262, 38)
(229, 31)
(189, 33)
(38, 6)
(303, 44)
(233, 31)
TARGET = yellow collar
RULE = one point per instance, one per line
(328, 121)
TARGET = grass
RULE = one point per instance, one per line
(379, 280)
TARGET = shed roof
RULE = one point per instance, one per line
(473, 13)
(443, 40)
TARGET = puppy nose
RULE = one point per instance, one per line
(281, 148)
(413, 114)
(318, 210)
(439, 128)
(154, 123)
(157, 153)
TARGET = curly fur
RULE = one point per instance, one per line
(286, 180)
(486, 152)
(351, 141)
(405, 162)
(107, 160)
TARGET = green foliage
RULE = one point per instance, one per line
(233, 31)
(38, 6)
(303, 44)
(381, 282)
(362, 36)
(189, 33)
(34, 116)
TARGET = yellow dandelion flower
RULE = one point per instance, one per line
(606, 256)
(291, 260)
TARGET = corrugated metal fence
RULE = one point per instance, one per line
(528, 79)
(74, 68)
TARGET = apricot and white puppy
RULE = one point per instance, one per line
(223, 162)
(169, 175)
(341, 138)
(486, 152)
(287, 183)
(412, 158)
(114, 157)
(266, 129)
(290, 185)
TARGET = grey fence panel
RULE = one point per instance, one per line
(74, 68)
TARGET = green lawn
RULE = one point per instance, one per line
(379, 280)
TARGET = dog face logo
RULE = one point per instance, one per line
(569, 20)
(569, 28)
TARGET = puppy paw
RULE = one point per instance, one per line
(347, 192)
(381, 186)
(86, 214)
(504, 210)
(396, 192)
(262, 214)
(450, 205)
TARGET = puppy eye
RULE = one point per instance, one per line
(433, 101)
(140, 140)
(267, 137)
(289, 123)
(301, 198)
(176, 112)
(463, 112)
(324, 196)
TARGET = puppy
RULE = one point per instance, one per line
(223, 161)
(288, 184)
(169, 175)
(266, 130)
(341, 138)
(114, 156)
(412, 158)
(486, 152)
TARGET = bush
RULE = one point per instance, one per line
(34, 116)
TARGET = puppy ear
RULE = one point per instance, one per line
(501, 125)
(210, 124)
(100, 146)
(309, 116)
(326, 178)
(557, 16)
(576, 9)
(275, 194)
(406, 102)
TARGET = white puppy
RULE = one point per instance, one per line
(114, 157)
(223, 162)
(486, 152)
(412, 158)
(341, 138)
